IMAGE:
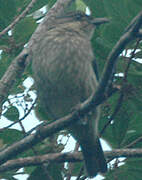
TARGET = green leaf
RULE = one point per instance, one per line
(51, 3)
(9, 136)
(130, 170)
(133, 7)
(12, 113)
(97, 7)
(54, 170)
(4, 41)
(138, 54)
(24, 29)
(76, 168)
(7, 12)
(5, 61)
(39, 4)
(29, 170)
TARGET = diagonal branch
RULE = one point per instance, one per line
(21, 119)
(14, 71)
(19, 63)
(85, 107)
(100, 94)
(42, 133)
(121, 96)
(22, 15)
(126, 38)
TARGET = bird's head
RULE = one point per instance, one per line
(80, 22)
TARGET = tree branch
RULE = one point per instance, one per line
(39, 160)
(100, 94)
(84, 108)
(121, 96)
(19, 120)
(42, 133)
(22, 15)
(19, 63)
(14, 71)
(126, 38)
(64, 157)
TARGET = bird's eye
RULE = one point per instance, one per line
(81, 16)
(78, 16)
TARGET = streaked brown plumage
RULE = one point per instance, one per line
(64, 77)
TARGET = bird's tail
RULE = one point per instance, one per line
(94, 158)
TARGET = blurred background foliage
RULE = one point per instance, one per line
(126, 125)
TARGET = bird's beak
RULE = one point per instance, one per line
(99, 21)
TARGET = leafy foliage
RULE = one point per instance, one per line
(126, 124)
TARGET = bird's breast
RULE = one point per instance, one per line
(64, 72)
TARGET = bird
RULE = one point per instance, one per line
(64, 77)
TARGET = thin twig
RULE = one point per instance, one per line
(22, 15)
(116, 51)
(14, 71)
(120, 99)
(70, 165)
(133, 143)
(80, 173)
(116, 110)
(18, 65)
(84, 108)
(19, 120)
